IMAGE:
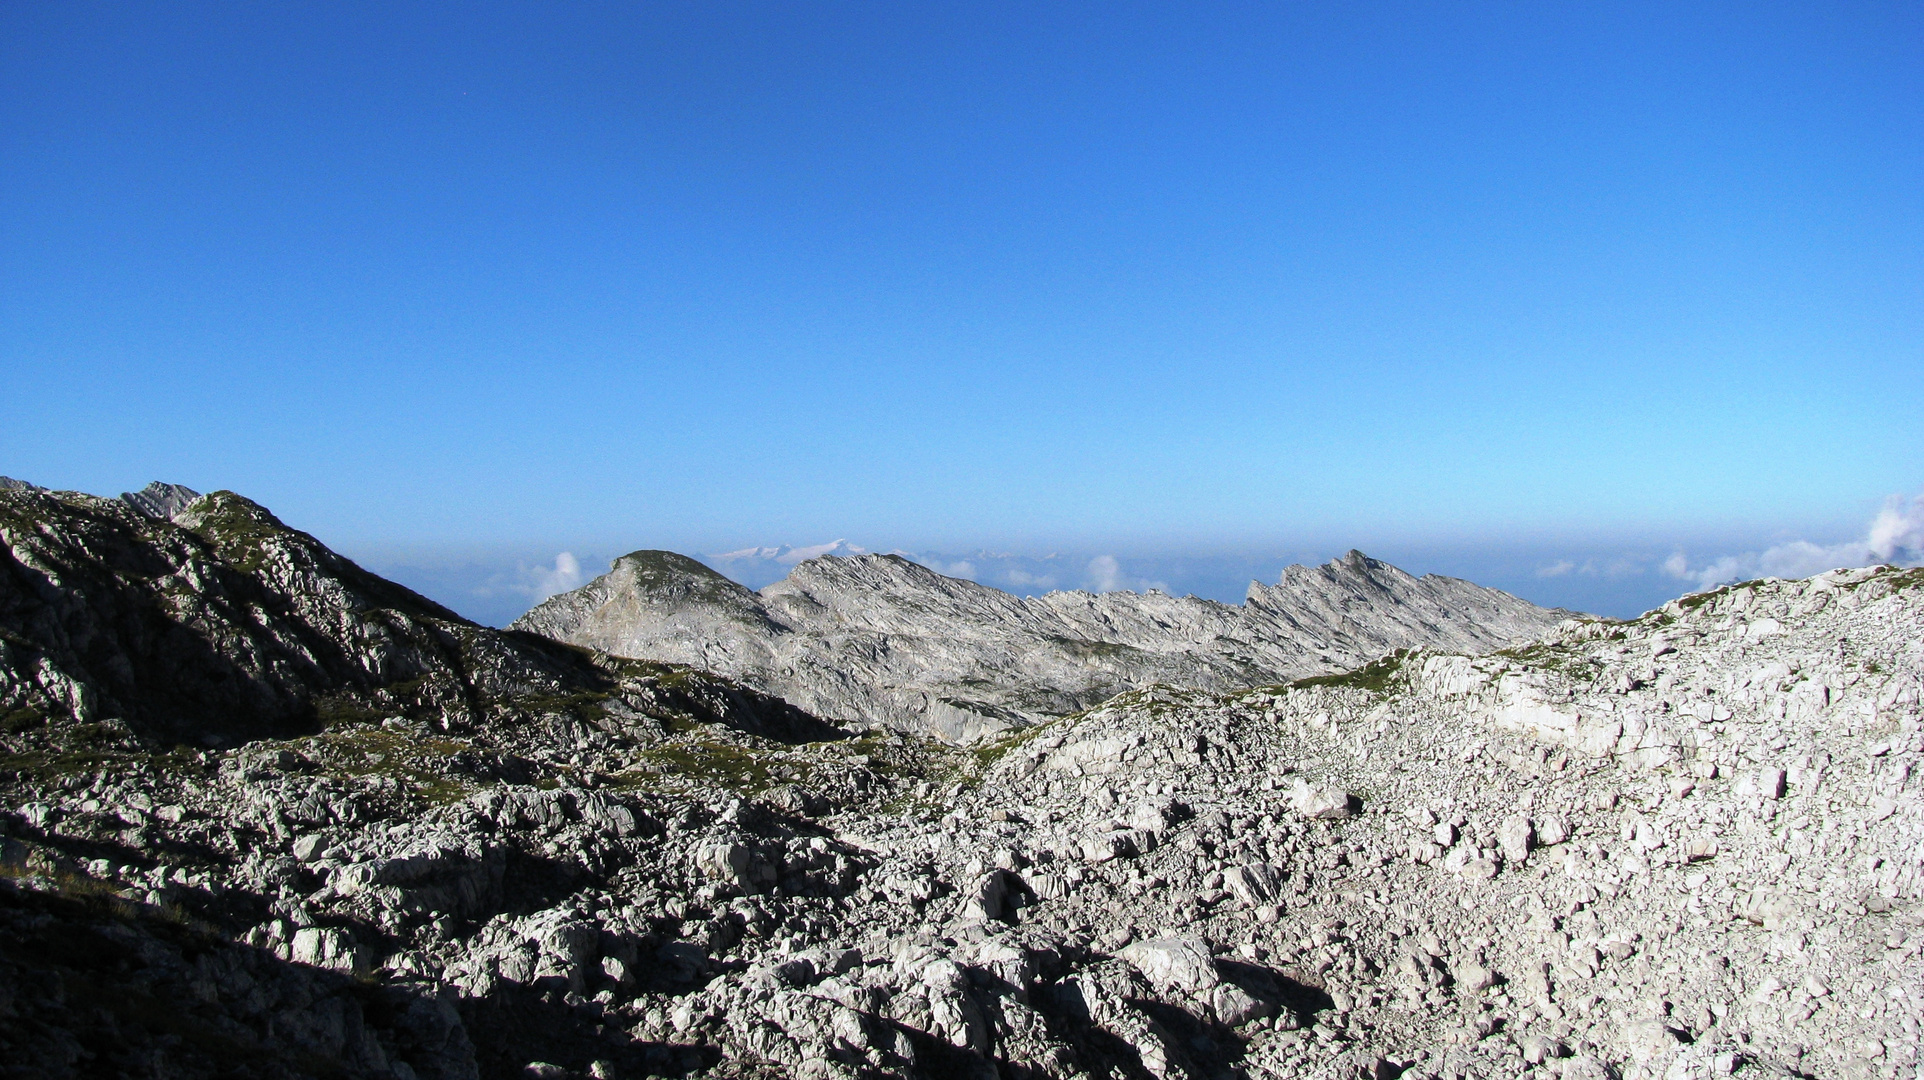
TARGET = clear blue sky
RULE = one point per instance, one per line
(471, 281)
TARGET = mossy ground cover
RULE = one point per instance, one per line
(19, 720)
(51, 764)
(743, 770)
(1699, 599)
(987, 754)
(418, 763)
(1556, 658)
(587, 706)
(238, 529)
(1383, 675)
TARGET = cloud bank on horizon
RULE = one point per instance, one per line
(1620, 581)
(1896, 535)
(785, 555)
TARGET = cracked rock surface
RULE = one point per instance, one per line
(1690, 845)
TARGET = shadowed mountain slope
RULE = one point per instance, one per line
(169, 618)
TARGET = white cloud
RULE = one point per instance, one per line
(816, 551)
(1619, 567)
(785, 555)
(1105, 575)
(1895, 535)
(1899, 527)
(1022, 579)
(544, 581)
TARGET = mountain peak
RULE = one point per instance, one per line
(650, 564)
(922, 642)
(865, 565)
(160, 501)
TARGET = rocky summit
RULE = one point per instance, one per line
(880, 640)
(263, 814)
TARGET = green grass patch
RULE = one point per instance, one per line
(19, 720)
(987, 754)
(1912, 578)
(740, 769)
(1376, 677)
(344, 711)
(412, 761)
(238, 528)
(61, 762)
(1697, 600)
(587, 706)
(1555, 658)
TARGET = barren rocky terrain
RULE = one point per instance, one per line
(263, 814)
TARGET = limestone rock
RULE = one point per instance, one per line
(1320, 803)
(1174, 964)
(876, 639)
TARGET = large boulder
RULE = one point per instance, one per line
(1179, 966)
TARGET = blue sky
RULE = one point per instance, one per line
(1484, 289)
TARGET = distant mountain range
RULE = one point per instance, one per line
(881, 639)
(183, 616)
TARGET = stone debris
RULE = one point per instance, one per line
(1686, 846)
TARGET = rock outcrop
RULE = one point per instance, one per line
(161, 620)
(881, 640)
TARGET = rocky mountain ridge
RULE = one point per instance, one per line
(169, 619)
(880, 639)
(1686, 846)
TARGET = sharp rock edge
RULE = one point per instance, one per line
(1689, 845)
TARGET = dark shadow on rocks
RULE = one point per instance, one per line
(519, 1024)
(96, 986)
(1280, 991)
(532, 882)
(24, 850)
(1204, 1042)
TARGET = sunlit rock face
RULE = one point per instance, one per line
(877, 639)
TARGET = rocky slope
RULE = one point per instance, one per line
(881, 640)
(1691, 845)
(166, 618)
